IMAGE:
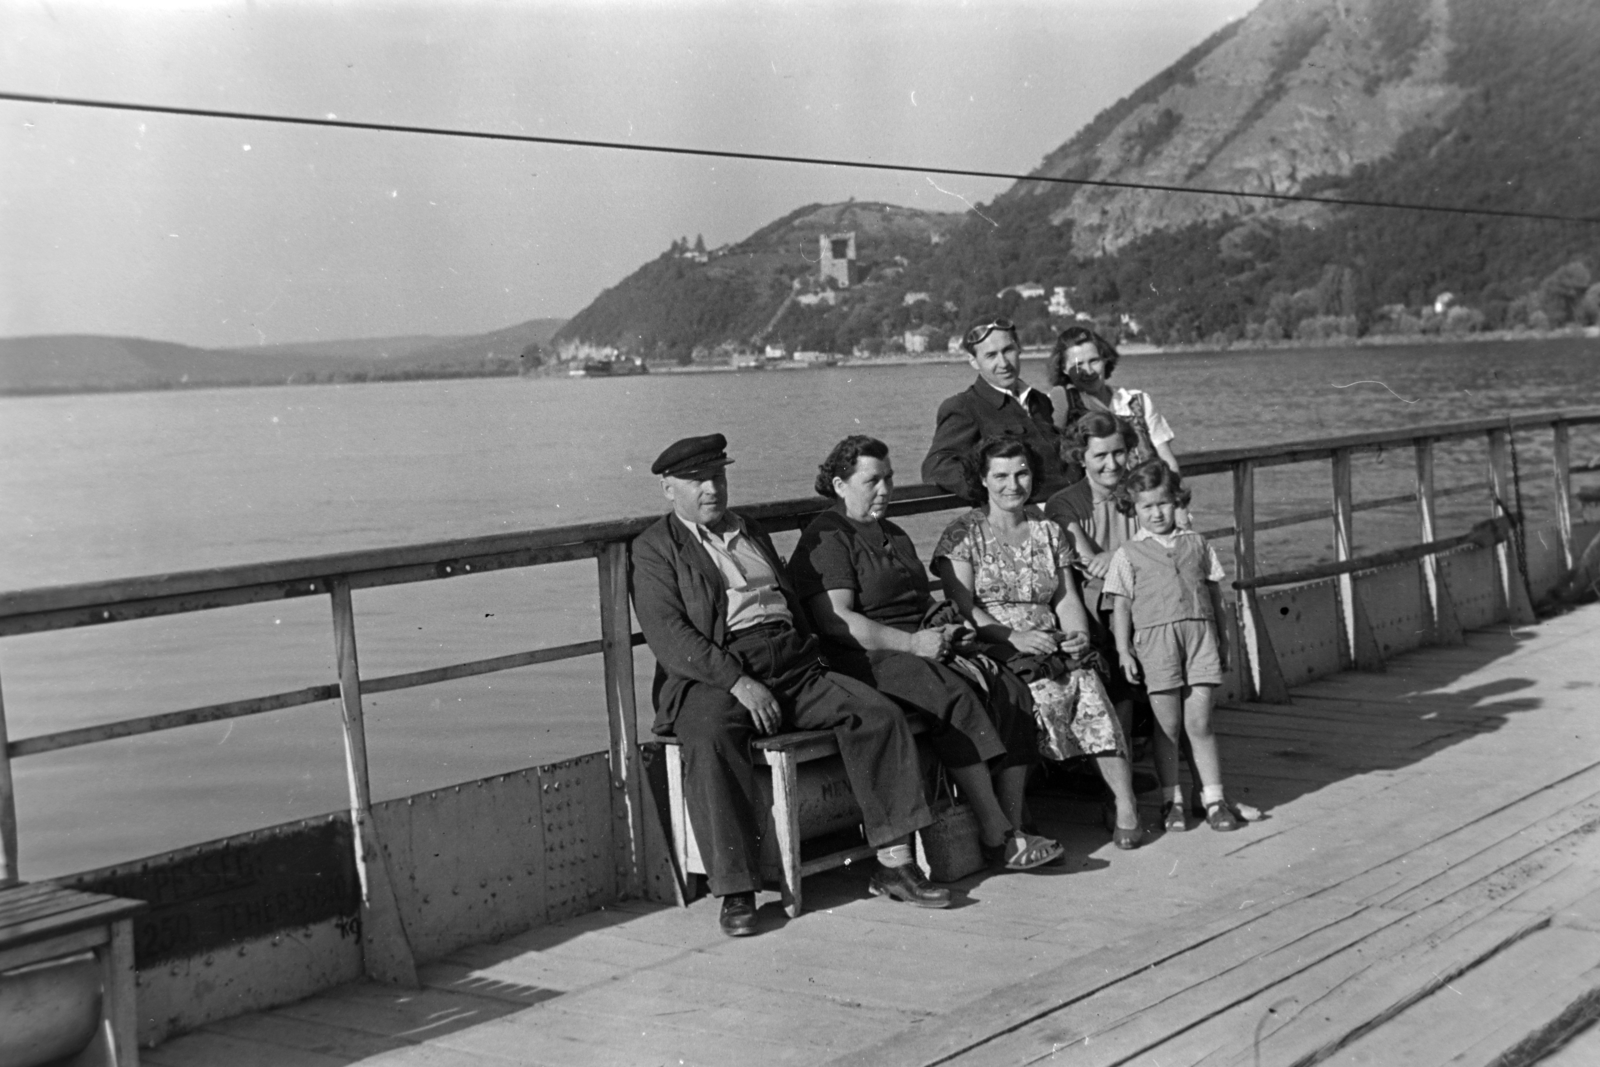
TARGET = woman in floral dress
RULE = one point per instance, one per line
(1008, 569)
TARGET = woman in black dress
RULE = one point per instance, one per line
(868, 595)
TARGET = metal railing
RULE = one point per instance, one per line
(336, 576)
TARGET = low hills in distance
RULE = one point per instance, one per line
(84, 363)
(1486, 104)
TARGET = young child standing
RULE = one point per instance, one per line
(1165, 581)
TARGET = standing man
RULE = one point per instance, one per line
(998, 403)
(715, 605)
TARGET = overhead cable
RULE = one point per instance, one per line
(332, 122)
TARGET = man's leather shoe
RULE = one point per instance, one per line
(909, 884)
(739, 914)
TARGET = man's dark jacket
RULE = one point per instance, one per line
(983, 411)
(681, 600)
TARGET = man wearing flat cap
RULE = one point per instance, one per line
(732, 664)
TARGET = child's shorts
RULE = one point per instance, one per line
(1175, 654)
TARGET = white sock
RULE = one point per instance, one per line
(895, 855)
(1174, 794)
(1211, 794)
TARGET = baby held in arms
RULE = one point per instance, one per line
(1166, 622)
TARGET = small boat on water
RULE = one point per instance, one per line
(616, 367)
(278, 914)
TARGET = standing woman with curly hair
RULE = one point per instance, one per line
(1079, 373)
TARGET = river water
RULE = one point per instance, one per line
(114, 485)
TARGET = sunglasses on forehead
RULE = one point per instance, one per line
(976, 335)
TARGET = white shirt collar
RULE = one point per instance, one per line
(703, 532)
(1021, 398)
(1164, 540)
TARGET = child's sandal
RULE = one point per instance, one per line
(1219, 816)
(1173, 819)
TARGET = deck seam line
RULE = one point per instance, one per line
(1427, 989)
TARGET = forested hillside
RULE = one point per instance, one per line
(1487, 104)
(689, 297)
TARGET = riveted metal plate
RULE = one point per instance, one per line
(467, 861)
(575, 806)
(1474, 587)
(1396, 609)
(1304, 624)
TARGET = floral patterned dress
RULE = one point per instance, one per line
(1015, 584)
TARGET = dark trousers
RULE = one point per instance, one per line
(716, 733)
(967, 727)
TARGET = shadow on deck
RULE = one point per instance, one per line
(1423, 887)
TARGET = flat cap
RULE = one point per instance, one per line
(692, 455)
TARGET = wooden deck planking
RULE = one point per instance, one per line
(1514, 996)
(1323, 1007)
(1127, 1018)
(1416, 819)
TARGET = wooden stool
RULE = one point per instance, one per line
(42, 923)
(810, 798)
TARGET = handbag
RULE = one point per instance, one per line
(951, 845)
(1081, 693)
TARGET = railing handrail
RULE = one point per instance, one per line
(1217, 461)
(337, 574)
(455, 557)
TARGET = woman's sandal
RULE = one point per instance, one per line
(1221, 816)
(1126, 838)
(1173, 818)
(1023, 852)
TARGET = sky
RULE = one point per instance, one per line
(225, 233)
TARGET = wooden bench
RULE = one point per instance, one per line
(810, 797)
(51, 1011)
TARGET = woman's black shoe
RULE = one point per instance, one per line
(909, 884)
(739, 914)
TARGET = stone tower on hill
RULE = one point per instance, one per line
(837, 258)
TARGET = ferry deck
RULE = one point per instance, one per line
(1424, 888)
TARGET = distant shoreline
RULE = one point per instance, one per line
(898, 360)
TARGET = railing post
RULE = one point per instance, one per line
(616, 645)
(1562, 447)
(8, 809)
(1244, 567)
(1344, 545)
(385, 947)
(1425, 525)
(1259, 674)
(1506, 557)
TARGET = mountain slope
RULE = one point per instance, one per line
(1475, 103)
(1487, 104)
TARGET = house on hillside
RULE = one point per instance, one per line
(914, 298)
(1026, 290)
(916, 341)
(1060, 306)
